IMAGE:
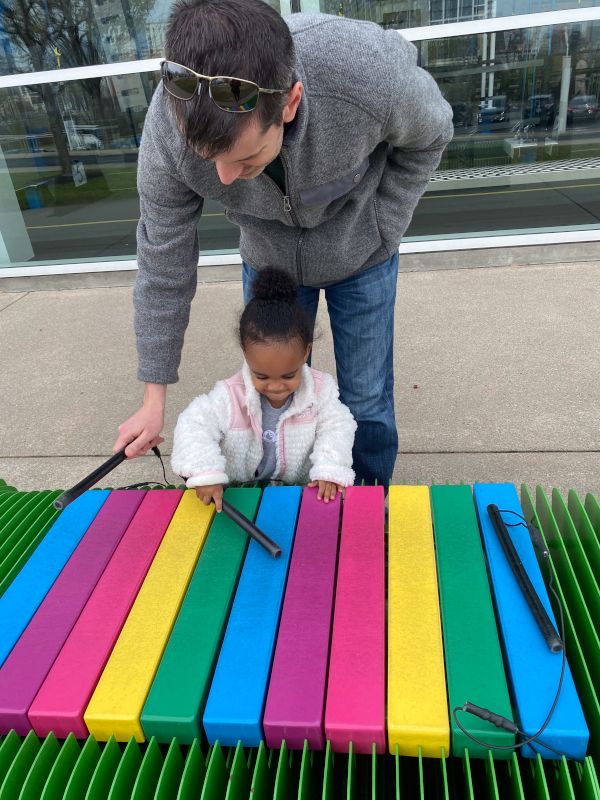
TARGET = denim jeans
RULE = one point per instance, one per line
(361, 313)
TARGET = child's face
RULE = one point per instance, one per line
(276, 368)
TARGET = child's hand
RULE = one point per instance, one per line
(327, 490)
(208, 493)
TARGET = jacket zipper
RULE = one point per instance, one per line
(287, 207)
(281, 451)
(281, 440)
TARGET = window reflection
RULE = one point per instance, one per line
(414, 13)
(520, 84)
(40, 35)
(68, 166)
(525, 154)
(526, 147)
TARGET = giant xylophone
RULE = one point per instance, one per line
(140, 615)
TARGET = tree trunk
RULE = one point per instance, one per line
(55, 121)
(57, 128)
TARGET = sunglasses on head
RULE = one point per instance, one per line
(234, 95)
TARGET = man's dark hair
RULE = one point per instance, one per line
(238, 38)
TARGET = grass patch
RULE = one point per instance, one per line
(60, 190)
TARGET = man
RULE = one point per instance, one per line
(319, 148)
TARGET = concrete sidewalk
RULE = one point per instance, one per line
(497, 376)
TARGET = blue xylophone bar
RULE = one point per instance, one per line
(237, 695)
(534, 670)
(28, 590)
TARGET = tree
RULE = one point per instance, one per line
(31, 26)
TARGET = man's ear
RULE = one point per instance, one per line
(293, 101)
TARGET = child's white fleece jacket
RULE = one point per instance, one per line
(218, 438)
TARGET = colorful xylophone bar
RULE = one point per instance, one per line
(534, 670)
(237, 695)
(296, 694)
(355, 707)
(417, 705)
(474, 667)
(121, 702)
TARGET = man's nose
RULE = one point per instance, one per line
(227, 173)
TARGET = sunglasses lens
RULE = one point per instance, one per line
(234, 95)
(179, 81)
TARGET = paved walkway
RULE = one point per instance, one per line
(497, 376)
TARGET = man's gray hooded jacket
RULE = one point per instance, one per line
(369, 132)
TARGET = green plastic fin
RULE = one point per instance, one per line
(20, 767)
(8, 752)
(62, 770)
(215, 783)
(127, 772)
(239, 777)
(105, 771)
(561, 780)
(263, 778)
(170, 775)
(83, 770)
(586, 532)
(35, 781)
(351, 791)
(194, 773)
(284, 777)
(328, 789)
(149, 774)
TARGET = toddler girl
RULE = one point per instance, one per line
(276, 419)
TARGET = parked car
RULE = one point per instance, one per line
(87, 141)
(540, 109)
(582, 107)
(126, 141)
(493, 109)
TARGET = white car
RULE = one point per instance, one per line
(87, 141)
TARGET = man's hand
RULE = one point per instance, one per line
(212, 492)
(327, 490)
(141, 431)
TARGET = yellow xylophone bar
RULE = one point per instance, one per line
(417, 705)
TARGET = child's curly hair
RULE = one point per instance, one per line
(274, 312)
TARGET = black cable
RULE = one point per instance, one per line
(158, 454)
(503, 722)
(142, 485)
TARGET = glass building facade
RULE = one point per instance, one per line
(525, 158)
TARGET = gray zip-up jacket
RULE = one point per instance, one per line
(368, 134)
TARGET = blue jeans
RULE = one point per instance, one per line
(361, 313)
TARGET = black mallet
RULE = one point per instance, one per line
(87, 482)
(116, 459)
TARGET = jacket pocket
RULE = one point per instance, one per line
(332, 190)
